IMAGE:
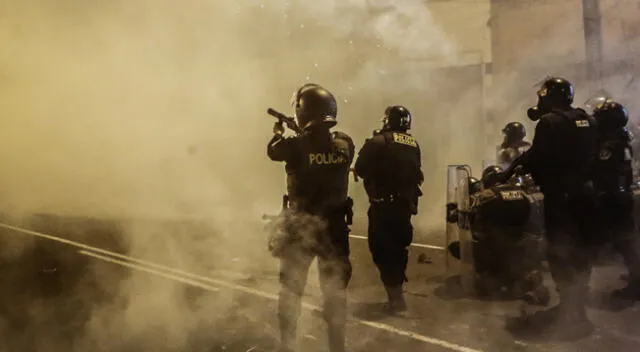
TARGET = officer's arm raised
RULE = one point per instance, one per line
(280, 148)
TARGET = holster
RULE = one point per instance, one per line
(348, 210)
(279, 235)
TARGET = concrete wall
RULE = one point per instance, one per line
(531, 39)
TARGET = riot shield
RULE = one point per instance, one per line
(458, 225)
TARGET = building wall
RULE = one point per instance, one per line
(551, 41)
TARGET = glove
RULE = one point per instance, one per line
(278, 128)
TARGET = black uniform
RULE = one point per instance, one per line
(560, 160)
(390, 166)
(613, 177)
(317, 166)
(507, 236)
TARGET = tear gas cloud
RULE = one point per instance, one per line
(156, 110)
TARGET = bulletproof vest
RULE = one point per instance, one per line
(318, 178)
(501, 205)
(570, 151)
(397, 168)
(612, 169)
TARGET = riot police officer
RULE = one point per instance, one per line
(513, 144)
(613, 177)
(506, 238)
(559, 160)
(390, 166)
(317, 166)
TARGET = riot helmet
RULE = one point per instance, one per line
(513, 132)
(491, 175)
(314, 105)
(397, 118)
(553, 92)
(610, 114)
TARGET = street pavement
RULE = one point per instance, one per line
(74, 284)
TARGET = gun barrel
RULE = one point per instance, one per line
(276, 114)
(289, 121)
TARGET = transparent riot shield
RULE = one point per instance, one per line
(451, 231)
(458, 225)
(467, 264)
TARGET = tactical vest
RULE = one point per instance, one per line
(318, 180)
(509, 209)
(571, 149)
(396, 170)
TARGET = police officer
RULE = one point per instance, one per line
(390, 166)
(513, 144)
(317, 167)
(506, 243)
(560, 160)
(613, 177)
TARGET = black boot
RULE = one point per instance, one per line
(396, 303)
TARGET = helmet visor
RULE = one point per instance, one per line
(595, 101)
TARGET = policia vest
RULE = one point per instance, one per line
(509, 209)
(396, 168)
(318, 178)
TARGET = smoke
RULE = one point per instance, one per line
(152, 111)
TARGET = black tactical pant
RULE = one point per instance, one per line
(390, 233)
(327, 239)
(569, 230)
(618, 227)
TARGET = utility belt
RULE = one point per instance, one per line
(385, 199)
(395, 199)
(344, 209)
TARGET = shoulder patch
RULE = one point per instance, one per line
(511, 195)
(582, 123)
(405, 139)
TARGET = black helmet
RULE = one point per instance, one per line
(314, 104)
(490, 175)
(610, 114)
(474, 185)
(397, 118)
(557, 90)
(554, 92)
(514, 131)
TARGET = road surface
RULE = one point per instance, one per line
(80, 285)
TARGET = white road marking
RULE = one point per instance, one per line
(421, 245)
(151, 271)
(248, 290)
(105, 252)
